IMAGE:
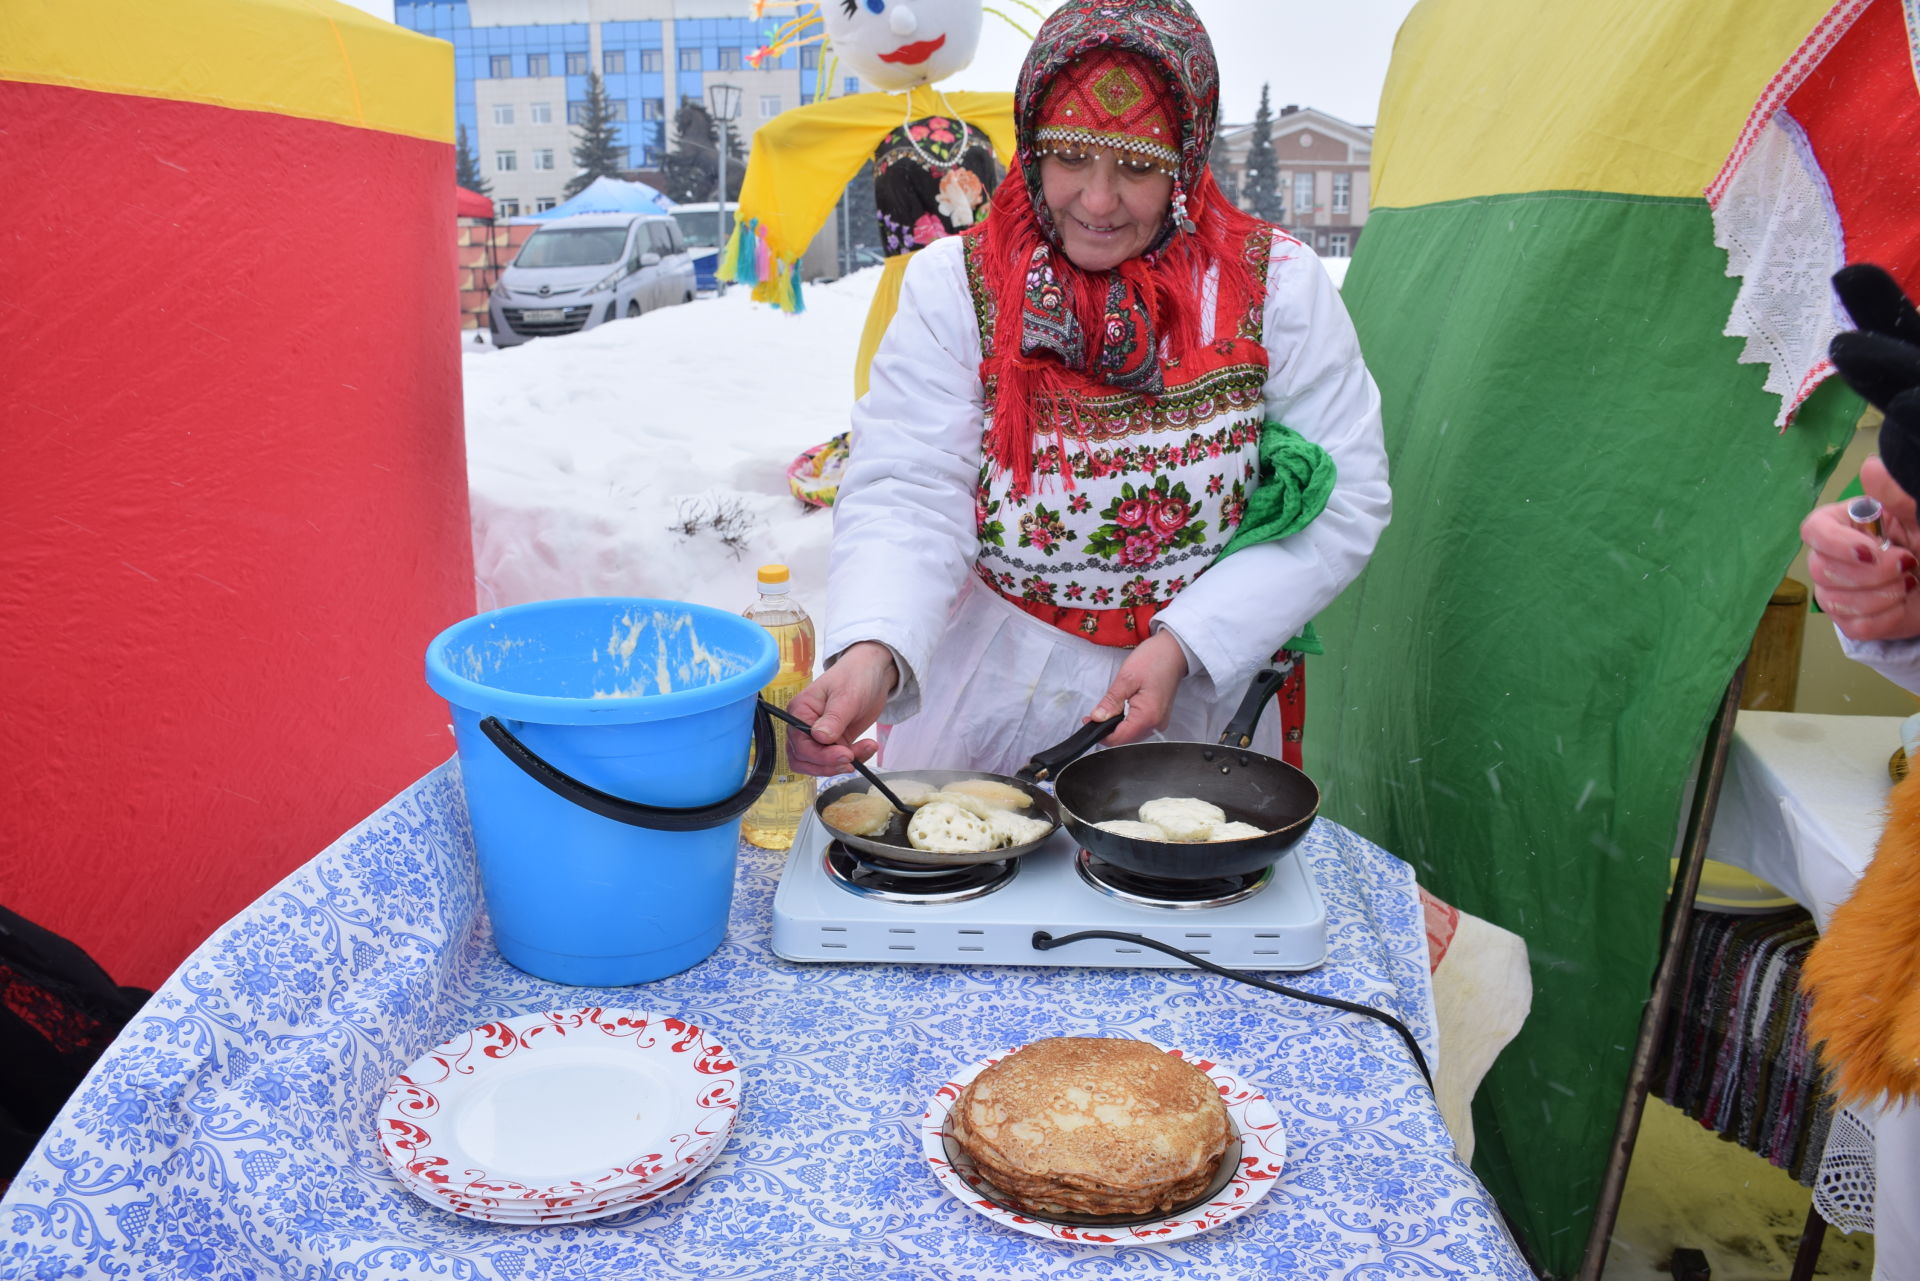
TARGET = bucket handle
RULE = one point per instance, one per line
(658, 818)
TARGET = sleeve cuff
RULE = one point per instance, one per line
(905, 699)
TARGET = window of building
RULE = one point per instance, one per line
(810, 57)
(576, 113)
(690, 59)
(578, 64)
(504, 162)
(1303, 193)
(614, 62)
(653, 109)
(500, 66)
(543, 158)
(1306, 139)
(1340, 244)
(616, 108)
(543, 204)
(539, 64)
(769, 105)
(851, 85)
(503, 113)
(729, 58)
(506, 208)
(652, 60)
(540, 113)
(1342, 192)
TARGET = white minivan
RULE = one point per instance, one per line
(575, 273)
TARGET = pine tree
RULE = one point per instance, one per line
(466, 166)
(690, 168)
(596, 149)
(1222, 165)
(1260, 191)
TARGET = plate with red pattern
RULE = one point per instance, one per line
(561, 1112)
(1248, 1172)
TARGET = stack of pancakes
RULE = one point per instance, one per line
(1089, 1126)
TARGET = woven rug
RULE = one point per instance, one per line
(1735, 1056)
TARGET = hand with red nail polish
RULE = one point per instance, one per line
(1872, 592)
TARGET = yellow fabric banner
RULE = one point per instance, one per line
(315, 59)
(1633, 98)
(803, 159)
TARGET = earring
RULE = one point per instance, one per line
(1178, 207)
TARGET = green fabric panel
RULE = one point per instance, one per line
(1591, 508)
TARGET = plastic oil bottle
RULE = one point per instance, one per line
(771, 822)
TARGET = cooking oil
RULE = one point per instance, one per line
(771, 822)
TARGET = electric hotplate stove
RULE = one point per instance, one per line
(834, 906)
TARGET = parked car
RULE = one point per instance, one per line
(700, 225)
(575, 273)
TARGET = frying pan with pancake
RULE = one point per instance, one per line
(892, 844)
(1250, 786)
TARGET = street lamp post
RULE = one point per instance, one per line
(723, 103)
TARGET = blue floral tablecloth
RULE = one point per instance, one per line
(229, 1132)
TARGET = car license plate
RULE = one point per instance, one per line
(543, 315)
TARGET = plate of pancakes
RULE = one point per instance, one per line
(1099, 1140)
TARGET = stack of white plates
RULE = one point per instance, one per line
(560, 1117)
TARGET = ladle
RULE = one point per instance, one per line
(781, 713)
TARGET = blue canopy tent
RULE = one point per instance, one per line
(605, 196)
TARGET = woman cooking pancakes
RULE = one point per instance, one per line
(1119, 446)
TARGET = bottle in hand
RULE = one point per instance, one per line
(771, 822)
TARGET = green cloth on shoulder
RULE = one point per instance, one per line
(1296, 478)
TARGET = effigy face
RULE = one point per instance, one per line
(897, 44)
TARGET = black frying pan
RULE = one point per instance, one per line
(1250, 786)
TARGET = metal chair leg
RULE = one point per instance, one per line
(1812, 1236)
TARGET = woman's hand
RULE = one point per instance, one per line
(1871, 593)
(844, 703)
(1145, 684)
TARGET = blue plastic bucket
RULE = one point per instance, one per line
(603, 743)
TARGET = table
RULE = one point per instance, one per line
(229, 1130)
(1801, 806)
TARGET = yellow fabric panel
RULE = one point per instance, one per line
(803, 159)
(1641, 97)
(315, 59)
(886, 301)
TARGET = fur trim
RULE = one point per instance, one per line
(1864, 973)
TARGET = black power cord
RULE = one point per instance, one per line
(1045, 942)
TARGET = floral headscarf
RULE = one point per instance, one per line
(1059, 330)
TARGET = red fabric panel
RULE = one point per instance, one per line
(236, 502)
(471, 204)
(1861, 113)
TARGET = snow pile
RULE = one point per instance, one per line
(648, 457)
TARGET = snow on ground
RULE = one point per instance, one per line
(587, 455)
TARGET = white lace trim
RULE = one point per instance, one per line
(1843, 1190)
(1773, 213)
(1777, 222)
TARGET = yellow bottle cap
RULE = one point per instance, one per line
(773, 574)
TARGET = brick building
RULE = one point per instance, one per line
(1323, 163)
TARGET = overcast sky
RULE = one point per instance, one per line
(1318, 54)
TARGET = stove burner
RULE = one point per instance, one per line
(1159, 891)
(879, 878)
